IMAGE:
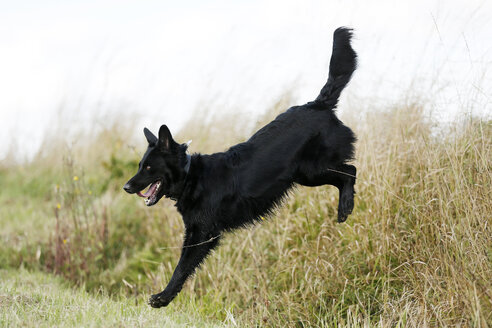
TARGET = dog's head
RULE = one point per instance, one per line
(162, 168)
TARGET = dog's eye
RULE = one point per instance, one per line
(147, 167)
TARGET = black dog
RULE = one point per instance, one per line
(306, 145)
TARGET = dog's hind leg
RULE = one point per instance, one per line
(343, 177)
(346, 194)
(197, 245)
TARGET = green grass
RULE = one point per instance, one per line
(42, 300)
(417, 251)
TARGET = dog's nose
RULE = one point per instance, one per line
(127, 188)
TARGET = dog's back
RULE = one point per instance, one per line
(299, 142)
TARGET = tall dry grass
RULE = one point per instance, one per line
(417, 251)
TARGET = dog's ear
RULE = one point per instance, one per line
(151, 138)
(165, 138)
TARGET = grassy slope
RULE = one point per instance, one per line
(41, 300)
(417, 250)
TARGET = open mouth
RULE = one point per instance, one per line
(151, 194)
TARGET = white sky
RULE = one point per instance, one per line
(159, 60)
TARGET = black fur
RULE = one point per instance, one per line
(306, 145)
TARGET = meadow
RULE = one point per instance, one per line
(416, 252)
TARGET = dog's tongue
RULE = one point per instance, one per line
(149, 192)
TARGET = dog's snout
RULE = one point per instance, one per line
(127, 188)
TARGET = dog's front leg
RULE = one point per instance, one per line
(196, 246)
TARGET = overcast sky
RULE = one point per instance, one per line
(159, 60)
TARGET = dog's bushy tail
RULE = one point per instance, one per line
(342, 64)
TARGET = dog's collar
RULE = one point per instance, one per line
(188, 163)
(187, 169)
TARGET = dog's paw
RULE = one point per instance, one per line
(342, 216)
(159, 300)
(345, 205)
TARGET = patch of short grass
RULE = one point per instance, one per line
(41, 300)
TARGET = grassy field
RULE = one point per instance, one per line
(416, 252)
